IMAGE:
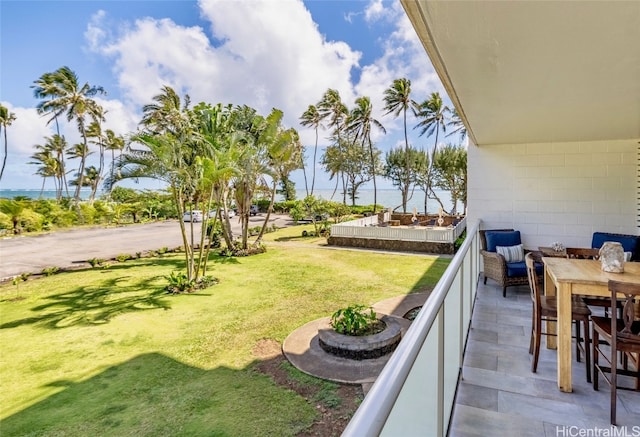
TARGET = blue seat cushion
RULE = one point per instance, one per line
(502, 238)
(518, 269)
(630, 243)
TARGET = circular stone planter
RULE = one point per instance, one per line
(360, 347)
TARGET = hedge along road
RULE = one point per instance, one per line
(67, 249)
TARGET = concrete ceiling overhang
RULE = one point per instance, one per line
(536, 71)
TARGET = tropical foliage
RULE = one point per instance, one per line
(217, 157)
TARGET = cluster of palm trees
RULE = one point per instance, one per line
(210, 156)
(352, 128)
(62, 94)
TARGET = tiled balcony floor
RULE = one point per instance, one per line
(500, 396)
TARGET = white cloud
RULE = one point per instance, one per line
(264, 57)
(375, 11)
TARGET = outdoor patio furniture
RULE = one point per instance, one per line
(546, 308)
(592, 301)
(505, 272)
(630, 243)
(622, 335)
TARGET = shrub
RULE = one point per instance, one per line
(95, 262)
(31, 221)
(48, 271)
(88, 212)
(178, 283)
(123, 257)
(354, 320)
(5, 221)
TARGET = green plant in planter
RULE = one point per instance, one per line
(356, 320)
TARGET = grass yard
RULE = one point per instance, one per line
(106, 352)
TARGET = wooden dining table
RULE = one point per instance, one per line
(565, 277)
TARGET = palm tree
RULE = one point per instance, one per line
(167, 113)
(331, 107)
(95, 131)
(113, 142)
(48, 166)
(45, 88)
(360, 123)
(58, 145)
(284, 152)
(68, 97)
(397, 100)
(312, 118)
(432, 113)
(457, 125)
(6, 118)
(79, 151)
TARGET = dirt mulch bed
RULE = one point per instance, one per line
(331, 421)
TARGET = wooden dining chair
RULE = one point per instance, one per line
(592, 301)
(623, 335)
(545, 308)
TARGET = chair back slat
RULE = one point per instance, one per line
(530, 260)
(630, 291)
(582, 253)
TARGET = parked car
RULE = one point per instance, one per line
(213, 213)
(197, 216)
(253, 210)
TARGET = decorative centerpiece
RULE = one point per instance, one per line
(440, 219)
(612, 257)
(557, 246)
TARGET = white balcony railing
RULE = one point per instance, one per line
(367, 228)
(414, 394)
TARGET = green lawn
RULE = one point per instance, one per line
(106, 352)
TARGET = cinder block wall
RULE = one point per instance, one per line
(556, 191)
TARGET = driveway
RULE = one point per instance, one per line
(72, 248)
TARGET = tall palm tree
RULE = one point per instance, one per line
(6, 118)
(58, 145)
(167, 113)
(113, 143)
(48, 157)
(312, 118)
(79, 151)
(69, 97)
(284, 152)
(458, 126)
(360, 122)
(397, 100)
(332, 108)
(46, 88)
(48, 166)
(94, 131)
(432, 115)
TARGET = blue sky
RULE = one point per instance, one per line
(269, 53)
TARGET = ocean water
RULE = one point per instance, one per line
(389, 198)
(34, 193)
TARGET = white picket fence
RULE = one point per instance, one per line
(367, 227)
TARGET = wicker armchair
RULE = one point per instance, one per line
(496, 267)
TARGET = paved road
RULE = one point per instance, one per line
(72, 248)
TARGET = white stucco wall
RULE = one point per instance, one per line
(556, 191)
